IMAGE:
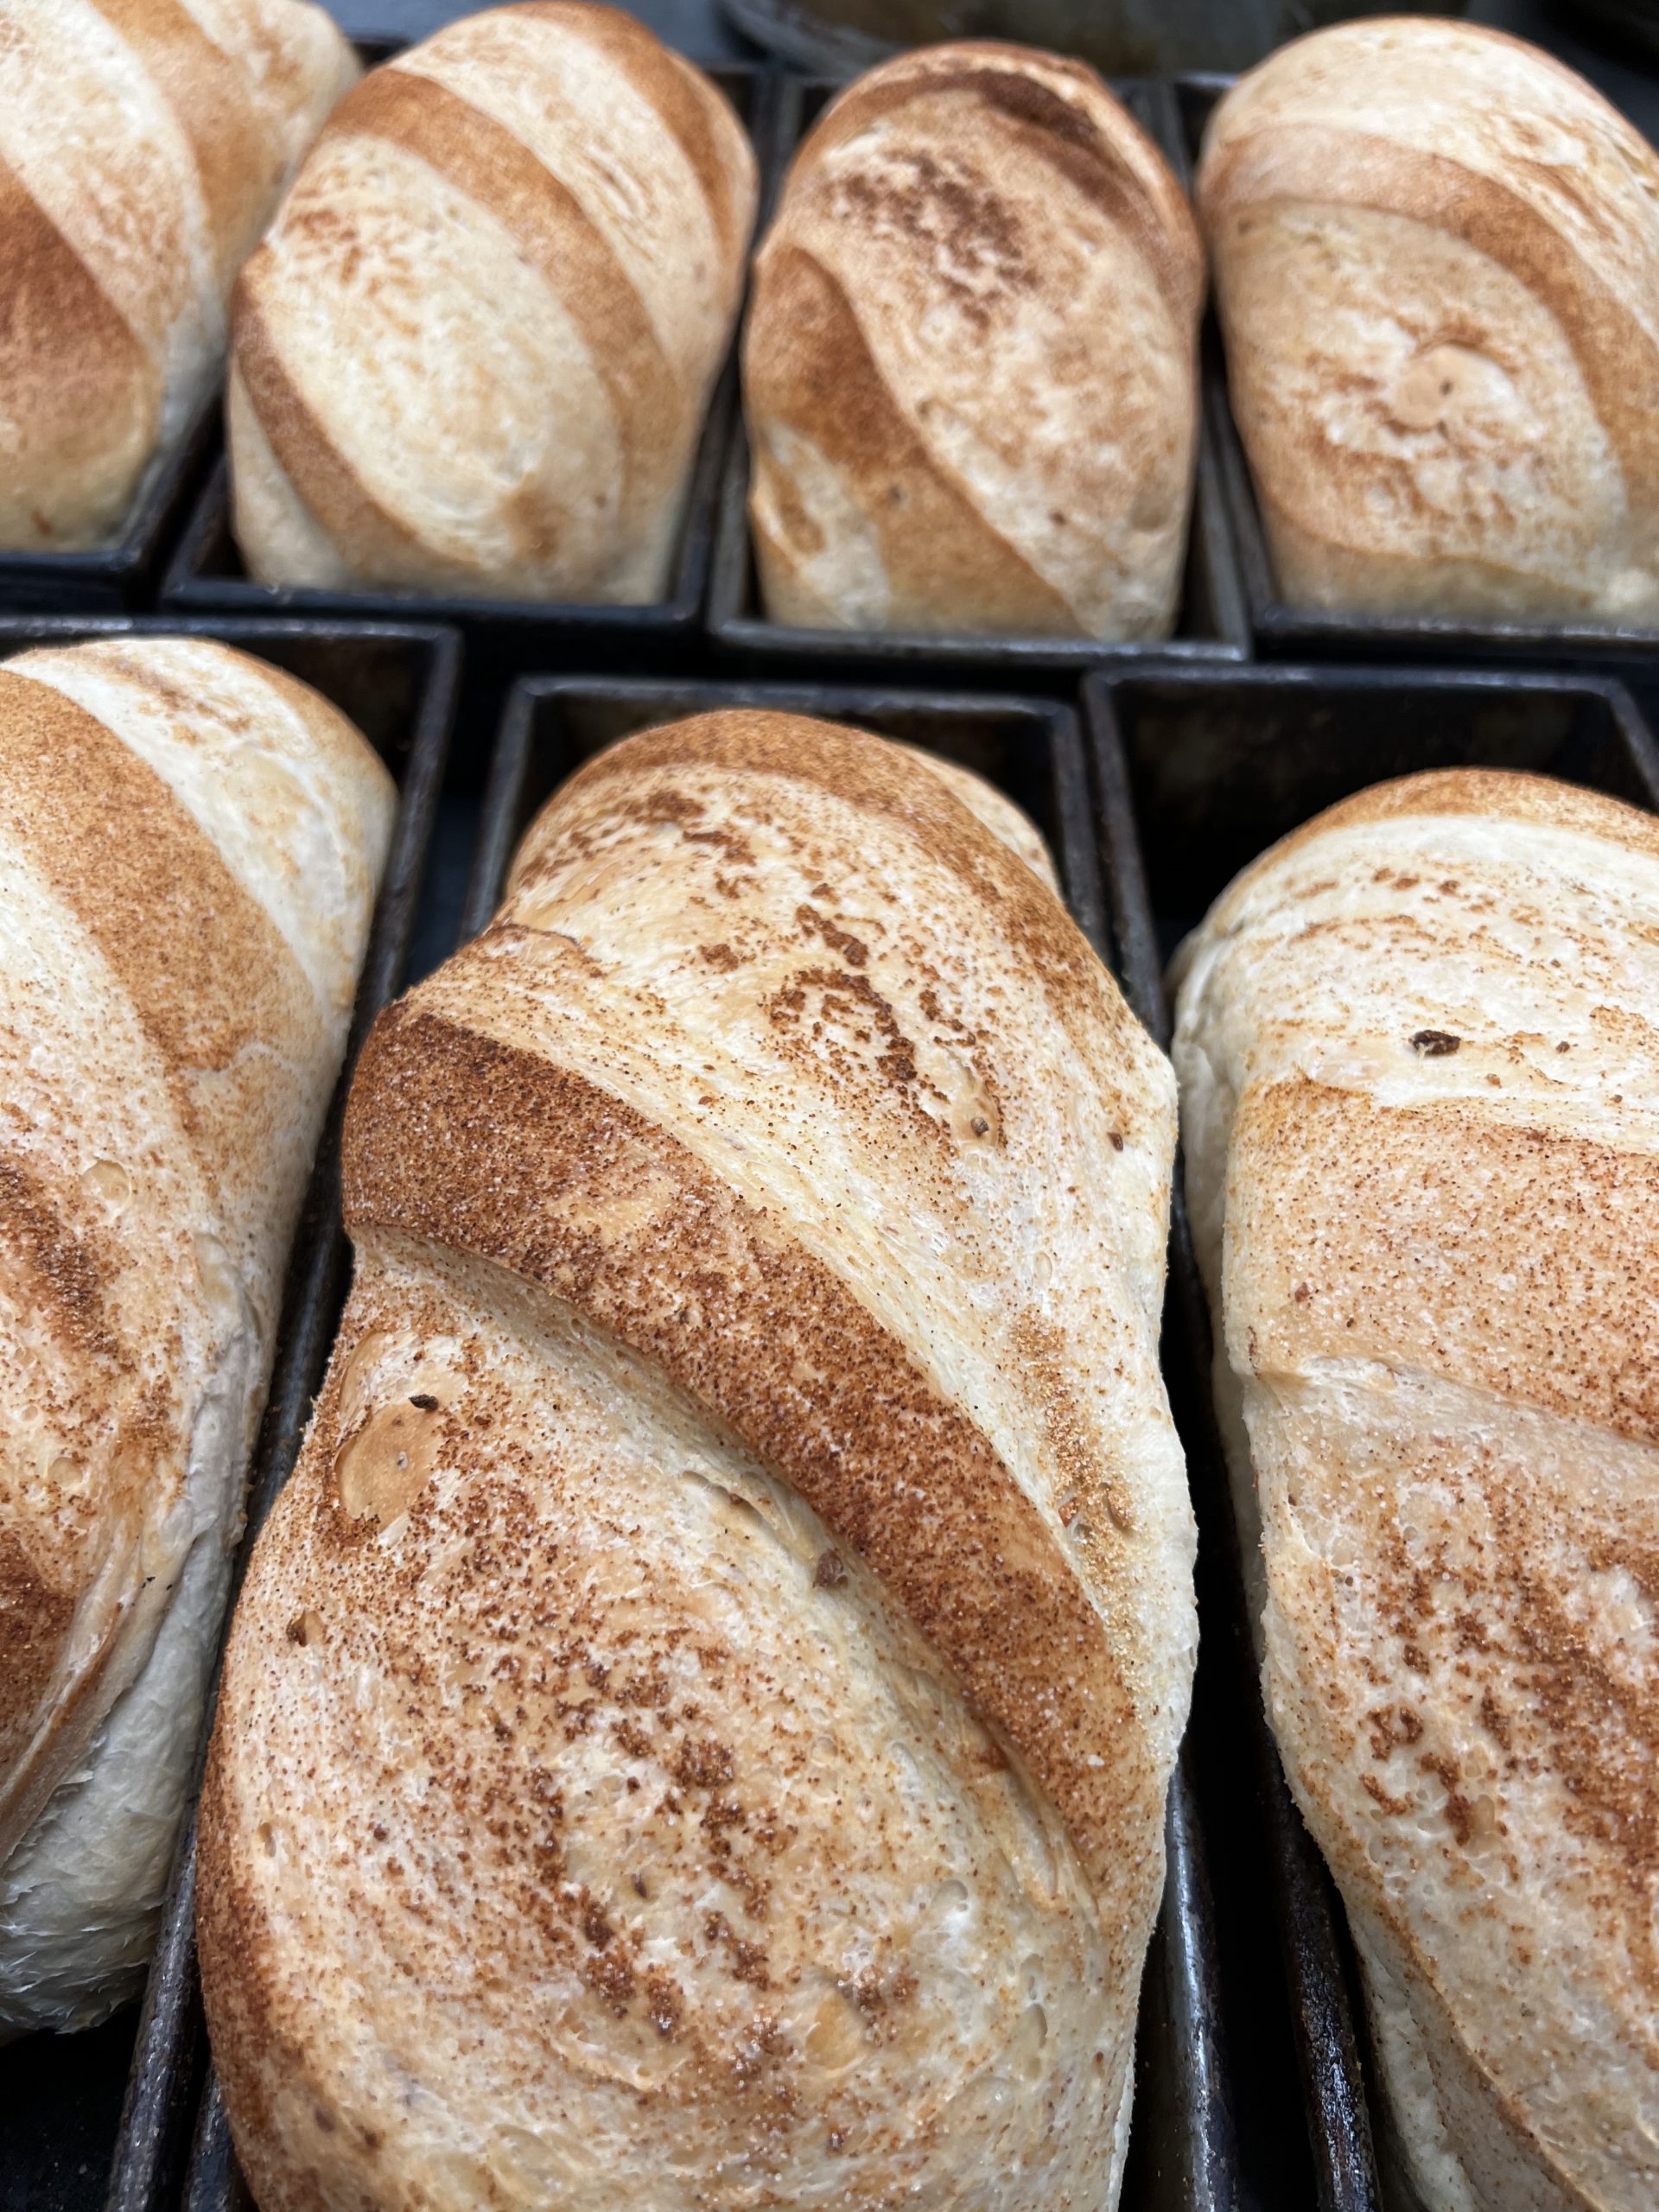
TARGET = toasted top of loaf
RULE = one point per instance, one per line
(969, 371)
(1419, 1050)
(143, 146)
(750, 1388)
(476, 348)
(191, 841)
(1437, 258)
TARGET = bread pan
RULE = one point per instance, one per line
(64, 2130)
(1181, 2151)
(1282, 631)
(507, 635)
(1195, 774)
(1213, 624)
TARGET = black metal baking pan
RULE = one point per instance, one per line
(63, 2124)
(507, 635)
(1195, 774)
(1280, 631)
(1181, 2150)
(1213, 624)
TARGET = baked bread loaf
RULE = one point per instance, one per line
(969, 371)
(1436, 255)
(143, 147)
(734, 1610)
(191, 843)
(1418, 1046)
(475, 352)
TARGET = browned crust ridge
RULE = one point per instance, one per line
(547, 1175)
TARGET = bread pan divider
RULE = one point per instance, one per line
(1195, 773)
(1282, 631)
(399, 684)
(505, 636)
(1212, 625)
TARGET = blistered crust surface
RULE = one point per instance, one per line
(1418, 1052)
(734, 1610)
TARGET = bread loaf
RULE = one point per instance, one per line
(1419, 1052)
(475, 353)
(1436, 254)
(190, 844)
(969, 371)
(143, 147)
(733, 1610)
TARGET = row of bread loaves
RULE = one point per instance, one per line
(475, 350)
(190, 844)
(760, 1415)
(759, 1418)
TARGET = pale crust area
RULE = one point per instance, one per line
(143, 144)
(476, 350)
(733, 1615)
(1431, 1268)
(170, 1040)
(1436, 254)
(969, 368)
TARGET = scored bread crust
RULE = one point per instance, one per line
(475, 352)
(970, 360)
(143, 147)
(1418, 1045)
(698, 1720)
(191, 843)
(1436, 258)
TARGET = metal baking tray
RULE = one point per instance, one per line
(507, 635)
(64, 2129)
(1181, 2148)
(1195, 774)
(1280, 631)
(1213, 624)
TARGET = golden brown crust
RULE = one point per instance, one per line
(551, 180)
(929, 450)
(169, 1047)
(536, 1159)
(741, 1516)
(886, 781)
(166, 914)
(484, 161)
(319, 471)
(1437, 263)
(140, 155)
(1439, 1205)
(1419, 1061)
(72, 369)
